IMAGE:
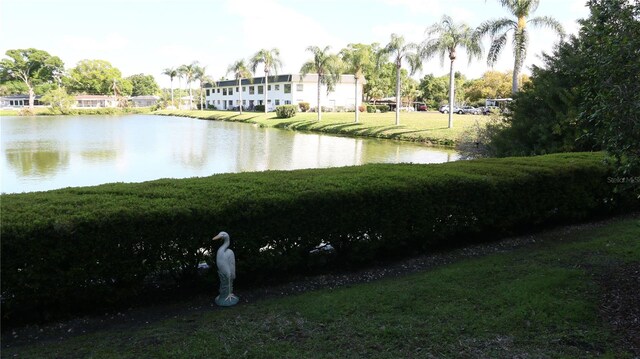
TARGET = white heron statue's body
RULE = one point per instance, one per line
(226, 262)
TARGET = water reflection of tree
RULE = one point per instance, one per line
(93, 156)
(35, 160)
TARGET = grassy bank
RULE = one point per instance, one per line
(427, 127)
(538, 301)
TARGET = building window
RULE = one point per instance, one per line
(260, 90)
(244, 88)
(277, 87)
(287, 102)
(224, 92)
(218, 90)
(268, 87)
(299, 87)
(208, 93)
(277, 102)
(269, 101)
(218, 102)
(252, 90)
(244, 102)
(237, 89)
(230, 91)
(287, 88)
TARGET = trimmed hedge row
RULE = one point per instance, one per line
(71, 250)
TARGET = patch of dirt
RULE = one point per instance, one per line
(620, 304)
(620, 288)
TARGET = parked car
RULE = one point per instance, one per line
(422, 107)
(470, 110)
(407, 109)
(445, 109)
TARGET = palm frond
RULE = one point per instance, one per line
(497, 44)
(548, 22)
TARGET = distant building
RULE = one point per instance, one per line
(95, 101)
(144, 101)
(283, 90)
(17, 101)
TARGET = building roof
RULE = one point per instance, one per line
(312, 78)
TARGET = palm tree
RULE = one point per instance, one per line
(327, 66)
(450, 36)
(240, 71)
(357, 58)
(399, 50)
(172, 72)
(201, 76)
(499, 30)
(189, 72)
(271, 61)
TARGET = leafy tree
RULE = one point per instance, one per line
(433, 89)
(172, 72)
(95, 77)
(31, 66)
(240, 71)
(401, 51)
(328, 68)
(610, 91)
(544, 116)
(492, 84)
(59, 100)
(13, 87)
(450, 36)
(189, 72)
(357, 58)
(143, 85)
(499, 30)
(270, 59)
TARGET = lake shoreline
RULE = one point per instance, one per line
(428, 128)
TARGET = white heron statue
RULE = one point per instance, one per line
(226, 262)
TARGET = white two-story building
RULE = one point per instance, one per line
(284, 90)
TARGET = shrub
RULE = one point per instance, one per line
(80, 249)
(286, 111)
(304, 106)
(371, 109)
(383, 108)
(259, 108)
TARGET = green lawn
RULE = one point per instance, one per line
(429, 127)
(540, 301)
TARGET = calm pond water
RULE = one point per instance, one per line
(50, 152)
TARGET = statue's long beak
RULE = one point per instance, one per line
(217, 237)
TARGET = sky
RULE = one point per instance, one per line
(147, 36)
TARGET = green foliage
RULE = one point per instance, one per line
(286, 111)
(58, 100)
(97, 77)
(143, 85)
(258, 108)
(611, 87)
(13, 87)
(304, 106)
(79, 249)
(376, 108)
(544, 116)
(31, 66)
